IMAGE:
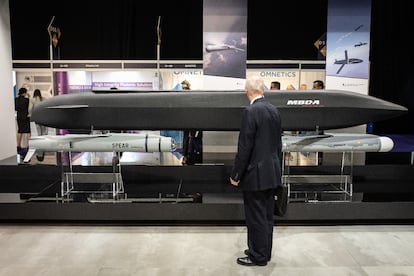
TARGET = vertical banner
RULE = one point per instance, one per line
(347, 55)
(348, 39)
(60, 84)
(54, 36)
(224, 44)
(54, 46)
(320, 44)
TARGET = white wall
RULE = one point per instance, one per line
(7, 120)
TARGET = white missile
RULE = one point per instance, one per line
(221, 47)
(337, 142)
(144, 142)
(110, 142)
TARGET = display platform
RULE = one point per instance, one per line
(155, 194)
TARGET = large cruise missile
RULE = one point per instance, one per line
(110, 142)
(208, 110)
(337, 142)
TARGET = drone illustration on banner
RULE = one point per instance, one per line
(359, 27)
(360, 44)
(345, 61)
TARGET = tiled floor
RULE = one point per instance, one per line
(203, 250)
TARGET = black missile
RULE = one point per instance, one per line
(208, 110)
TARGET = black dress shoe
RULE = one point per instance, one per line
(246, 261)
(246, 252)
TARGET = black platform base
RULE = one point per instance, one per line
(383, 193)
(154, 213)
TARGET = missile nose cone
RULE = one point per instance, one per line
(173, 145)
(386, 144)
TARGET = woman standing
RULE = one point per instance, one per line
(37, 98)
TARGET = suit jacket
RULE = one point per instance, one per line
(193, 146)
(258, 160)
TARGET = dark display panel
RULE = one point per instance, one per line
(126, 29)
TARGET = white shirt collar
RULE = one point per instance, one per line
(256, 98)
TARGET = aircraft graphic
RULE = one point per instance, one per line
(360, 44)
(109, 142)
(220, 47)
(346, 61)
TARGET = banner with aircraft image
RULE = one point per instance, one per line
(348, 38)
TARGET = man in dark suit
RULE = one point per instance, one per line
(257, 171)
(192, 147)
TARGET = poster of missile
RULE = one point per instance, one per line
(224, 43)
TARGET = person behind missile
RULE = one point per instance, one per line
(290, 87)
(192, 140)
(34, 102)
(21, 106)
(318, 84)
(275, 85)
(257, 171)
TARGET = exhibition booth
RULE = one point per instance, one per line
(156, 187)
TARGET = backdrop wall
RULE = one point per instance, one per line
(7, 120)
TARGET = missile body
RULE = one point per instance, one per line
(337, 143)
(208, 110)
(111, 142)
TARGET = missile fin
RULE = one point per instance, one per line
(29, 155)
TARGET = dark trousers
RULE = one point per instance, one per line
(259, 207)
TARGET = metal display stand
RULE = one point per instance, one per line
(103, 186)
(314, 188)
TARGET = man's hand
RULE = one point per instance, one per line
(234, 183)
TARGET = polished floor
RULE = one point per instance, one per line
(100, 250)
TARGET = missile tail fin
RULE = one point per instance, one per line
(29, 155)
